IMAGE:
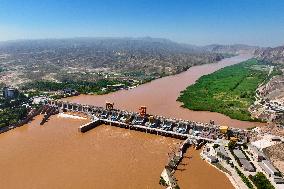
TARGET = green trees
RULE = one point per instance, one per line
(10, 116)
(244, 178)
(261, 182)
(229, 91)
(231, 145)
(216, 146)
(80, 86)
(11, 111)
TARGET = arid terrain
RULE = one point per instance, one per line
(269, 105)
(92, 59)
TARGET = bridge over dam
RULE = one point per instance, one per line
(153, 124)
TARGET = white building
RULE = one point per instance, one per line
(256, 154)
(269, 169)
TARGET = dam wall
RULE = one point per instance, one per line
(154, 124)
(88, 126)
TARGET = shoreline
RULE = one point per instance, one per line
(231, 178)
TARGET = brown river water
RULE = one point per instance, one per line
(56, 155)
(160, 96)
(195, 173)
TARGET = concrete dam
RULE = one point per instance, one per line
(153, 124)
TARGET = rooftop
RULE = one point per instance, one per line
(239, 154)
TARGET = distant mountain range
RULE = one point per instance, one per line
(145, 43)
(91, 59)
(133, 44)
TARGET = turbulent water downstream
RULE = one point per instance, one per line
(56, 155)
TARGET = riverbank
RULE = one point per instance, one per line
(195, 173)
(230, 91)
(160, 96)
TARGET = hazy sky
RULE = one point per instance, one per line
(256, 22)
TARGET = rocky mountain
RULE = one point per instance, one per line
(230, 49)
(271, 93)
(271, 55)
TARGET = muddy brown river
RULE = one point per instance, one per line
(160, 96)
(57, 156)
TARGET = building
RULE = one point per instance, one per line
(211, 159)
(70, 92)
(116, 86)
(278, 180)
(221, 152)
(234, 139)
(256, 154)
(239, 154)
(40, 100)
(269, 169)
(276, 139)
(224, 129)
(246, 164)
(9, 92)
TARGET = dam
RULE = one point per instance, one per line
(154, 124)
(191, 132)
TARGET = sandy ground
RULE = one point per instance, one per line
(264, 142)
(276, 155)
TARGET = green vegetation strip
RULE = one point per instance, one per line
(261, 182)
(80, 86)
(244, 178)
(229, 91)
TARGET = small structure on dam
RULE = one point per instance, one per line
(154, 124)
